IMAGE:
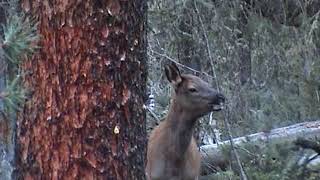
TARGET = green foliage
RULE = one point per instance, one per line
(19, 38)
(16, 43)
(19, 41)
(278, 162)
(13, 96)
(223, 175)
(272, 162)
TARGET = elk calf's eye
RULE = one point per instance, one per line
(192, 90)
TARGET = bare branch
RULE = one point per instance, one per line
(153, 114)
(179, 64)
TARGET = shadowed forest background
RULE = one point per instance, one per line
(264, 55)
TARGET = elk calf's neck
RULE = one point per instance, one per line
(172, 151)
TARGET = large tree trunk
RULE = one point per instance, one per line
(85, 118)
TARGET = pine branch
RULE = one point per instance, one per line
(19, 38)
(13, 96)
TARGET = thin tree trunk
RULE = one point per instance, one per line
(243, 48)
(85, 118)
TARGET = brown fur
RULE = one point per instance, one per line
(172, 151)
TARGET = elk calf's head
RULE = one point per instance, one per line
(192, 93)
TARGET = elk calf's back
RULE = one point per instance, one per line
(172, 151)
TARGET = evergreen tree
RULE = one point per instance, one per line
(17, 40)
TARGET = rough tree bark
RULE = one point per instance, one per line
(85, 118)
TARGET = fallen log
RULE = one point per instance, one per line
(213, 158)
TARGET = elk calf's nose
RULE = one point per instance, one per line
(218, 99)
(221, 98)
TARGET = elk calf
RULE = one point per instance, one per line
(172, 151)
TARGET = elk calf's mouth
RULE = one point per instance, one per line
(217, 106)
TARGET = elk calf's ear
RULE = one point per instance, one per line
(173, 74)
